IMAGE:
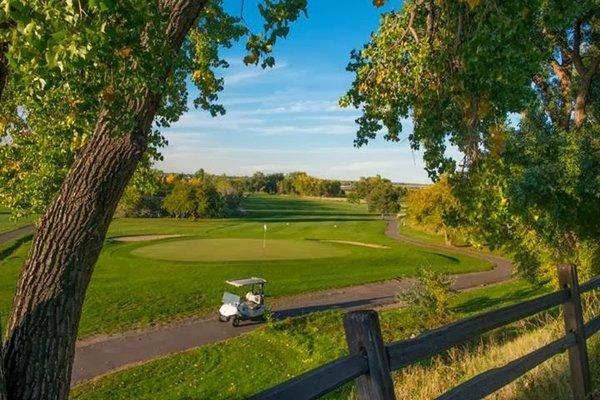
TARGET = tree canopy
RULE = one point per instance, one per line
(68, 60)
(511, 85)
(433, 208)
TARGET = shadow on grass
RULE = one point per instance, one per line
(307, 213)
(483, 302)
(340, 218)
(345, 305)
(7, 249)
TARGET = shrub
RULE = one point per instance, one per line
(429, 299)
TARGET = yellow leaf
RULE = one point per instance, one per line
(125, 52)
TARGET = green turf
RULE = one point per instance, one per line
(8, 224)
(128, 291)
(420, 234)
(205, 250)
(244, 365)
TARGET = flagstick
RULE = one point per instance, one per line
(265, 236)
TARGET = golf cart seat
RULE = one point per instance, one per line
(253, 298)
(252, 305)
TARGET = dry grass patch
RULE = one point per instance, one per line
(550, 380)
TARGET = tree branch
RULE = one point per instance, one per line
(546, 97)
(576, 55)
(582, 94)
(430, 20)
(411, 28)
(3, 69)
(563, 74)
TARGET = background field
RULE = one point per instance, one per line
(129, 291)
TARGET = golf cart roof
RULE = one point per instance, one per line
(246, 281)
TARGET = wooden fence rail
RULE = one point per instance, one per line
(371, 362)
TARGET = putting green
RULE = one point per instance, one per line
(239, 250)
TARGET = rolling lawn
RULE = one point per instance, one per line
(133, 287)
(242, 366)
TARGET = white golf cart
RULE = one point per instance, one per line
(250, 307)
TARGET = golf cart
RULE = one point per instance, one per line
(251, 306)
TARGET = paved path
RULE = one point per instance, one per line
(501, 272)
(15, 234)
(98, 356)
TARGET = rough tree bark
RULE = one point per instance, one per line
(581, 99)
(3, 59)
(3, 80)
(42, 329)
(3, 69)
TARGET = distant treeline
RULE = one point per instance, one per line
(294, 183)
(154, 193)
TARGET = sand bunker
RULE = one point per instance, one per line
(143, 238)
(362, 244)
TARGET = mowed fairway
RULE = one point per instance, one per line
(134, 287)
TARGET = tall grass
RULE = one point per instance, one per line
(549, 380)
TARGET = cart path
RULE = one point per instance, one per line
(100, 355)
(16, 233)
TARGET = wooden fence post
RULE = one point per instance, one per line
(363, 334)
(578, 356)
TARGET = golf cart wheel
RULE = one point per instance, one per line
(236, 321)
(223, 318)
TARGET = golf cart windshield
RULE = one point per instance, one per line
(230, 298)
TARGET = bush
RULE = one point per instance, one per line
(429, 299)
(196, 198)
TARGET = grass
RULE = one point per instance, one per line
(419, 234)
(438, 238)
(239, 367)
(548, 381)
(128, 291)
(238, 250)
(7, 224)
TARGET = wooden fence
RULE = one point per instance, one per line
(370, 361)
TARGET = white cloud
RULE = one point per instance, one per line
(339, 162)
(275, 124)
(241, 74)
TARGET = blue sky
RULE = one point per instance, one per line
(287, 118)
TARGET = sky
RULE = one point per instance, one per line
(287, 118)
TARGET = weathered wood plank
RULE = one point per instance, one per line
(365, 337)
(581, 382)
(319, 381)
(363, 333)
(592, 327)
(488, 382)
(592, 284)
(406, 352)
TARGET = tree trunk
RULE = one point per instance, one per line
(446, 237)
(581, 99)
(42, 329)
(3, 68)
(3, 81)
